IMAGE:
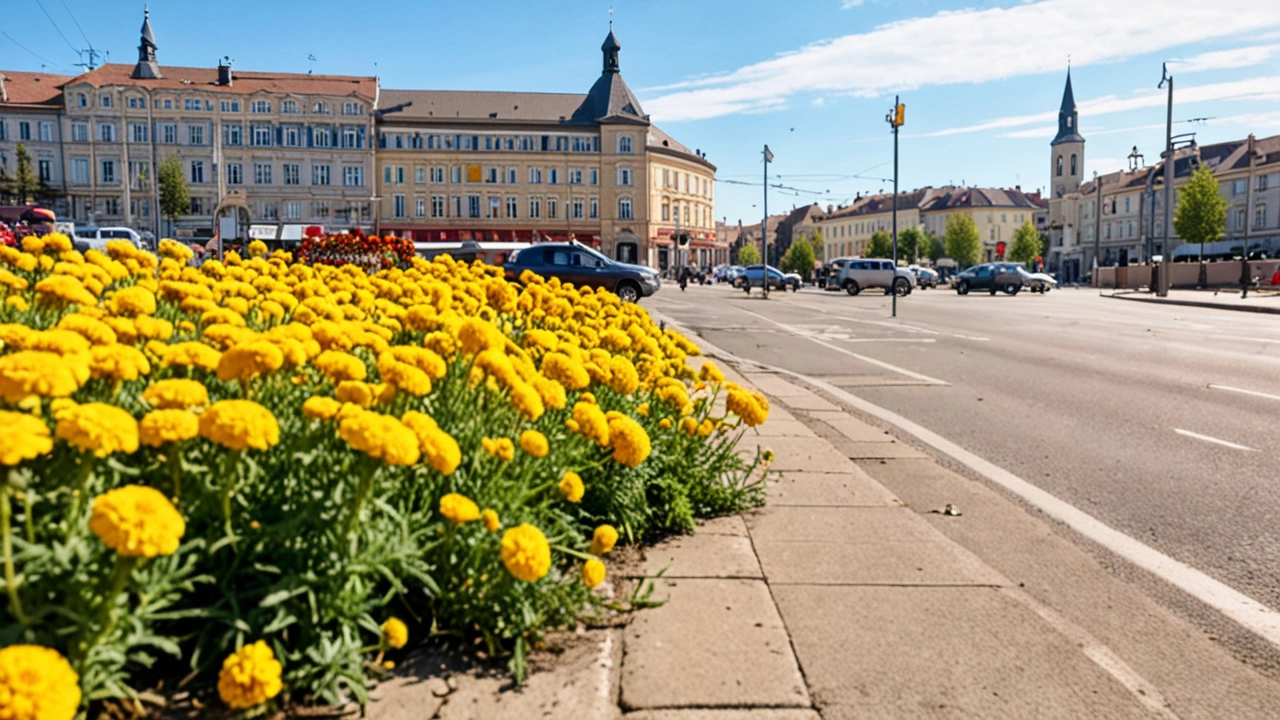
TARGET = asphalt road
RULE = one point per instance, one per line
(1159, 421)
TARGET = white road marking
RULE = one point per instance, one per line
(850, 353)
(1254, 393)
(1214, 440)
(970, 337)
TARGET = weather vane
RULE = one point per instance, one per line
(610, 18)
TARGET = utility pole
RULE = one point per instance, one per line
(1097, 229)
(1166, 271)
(764, 225)
(895, 119)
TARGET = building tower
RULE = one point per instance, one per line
(147, 67)
(1067, 149)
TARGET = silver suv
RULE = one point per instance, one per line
(853, 275)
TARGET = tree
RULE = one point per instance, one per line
(1201, 214)
(748, 254)
(816, 242)
(933, 248)
(24, 185)
(961, 240)
(910, 243)
(175, 200)
(1026, 244)
(799, 259)
(881, 245)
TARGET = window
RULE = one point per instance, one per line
(491, 175)
(107, 171)
(46, 132)
(1260, 215)
(1262, 183)
(437, 206)
(624, 176)
(293, 210)
(169, 133)
(666, 212)
(197, 171)
(675, 213)
(397, 205)
(106, 132)
(578, 208)
(320, 108)
(1059, 166)
(624, 145)
(197, 206)
(262, 173)
(535, 208)
(320, 208)
(82, 100)
(232, 135)
(511, 176)
(666, 178)
(553, 176)
(289, 107)
(595, 208)
(292, 174)
(165, 104)
(230, 106)
(353, 176)
(473, 206)
(260, 135)
(535, 176)
(595, 176)
(195, 134)
(624, 208)
(293, 137)
(419, 175)
(1073, 158)
(352, 108)
(190, 104)
(512, 204)
(111, 206)
(386, 174)
(80, 171)
(575, 177)
(457, 206)
(420, 207)
(235, 174)
(104, 101)
(319, 174)
(495, 208)
(350, 138)
(260, 106)
(80, 132)
(455, 174)
(1240, 218)
(552, 205)
(44, 169)
(437, 175)
(322, 137)
(1238, 187)
(138, 132)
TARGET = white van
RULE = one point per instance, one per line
(98, 237)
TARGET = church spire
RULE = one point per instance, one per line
(1068, 116)
(611, 47)
(147, 67)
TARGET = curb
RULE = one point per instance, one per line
(1199, 304)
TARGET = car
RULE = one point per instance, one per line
(1037, 282)
(925, 277)
(98, 238)
(731, 274)
(584, 267)
(853, 275)
(991, 277)
(753, 276)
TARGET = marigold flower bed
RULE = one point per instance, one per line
(268, 477)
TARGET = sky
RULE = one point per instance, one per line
(814, 79)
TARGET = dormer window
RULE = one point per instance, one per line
(625, 145)
(105, 100)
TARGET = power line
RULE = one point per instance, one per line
(77, 22)
(55, 27)
(33, 52)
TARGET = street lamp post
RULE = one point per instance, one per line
(895, 118)
(1166, 272)
(1097, 229)
(764, 225)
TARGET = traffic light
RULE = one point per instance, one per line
(1000, 248)
(899, 116)
(682, 240)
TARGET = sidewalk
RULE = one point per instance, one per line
(1265, 301)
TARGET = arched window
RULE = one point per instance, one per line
(1059, 166)
(1073, 163)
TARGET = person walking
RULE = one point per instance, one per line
(1246, 277)
(684, 277)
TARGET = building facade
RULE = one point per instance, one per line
(31, 116)
(518, 166)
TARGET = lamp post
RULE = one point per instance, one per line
(1166, 272)
(1097, 229)
(764, 225)
(895, 119)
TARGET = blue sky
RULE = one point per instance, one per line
(982, 80)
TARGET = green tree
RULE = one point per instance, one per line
(933, 248)
(1026, 244)
(748, 254)
(961, 240)
(1201, 214)
(881, 245)
(175, 200)
(799, 259)
(910, 243)
(816, 242)
(25, 184)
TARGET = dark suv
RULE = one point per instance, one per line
(990, 277)
(584, 267)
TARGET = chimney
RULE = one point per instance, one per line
(224, 72)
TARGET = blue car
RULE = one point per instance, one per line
(753, 276)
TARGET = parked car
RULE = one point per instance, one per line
(925, 277)
(1037, 282)
(578, 264)
(753, 276)
(853, 275)
(99, 237)
(990, 277)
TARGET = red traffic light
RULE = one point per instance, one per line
(1000, 248)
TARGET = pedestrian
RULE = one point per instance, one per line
(684, 276)
(1246, 277)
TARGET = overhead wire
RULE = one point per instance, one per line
(77, 23)
(55, 27)
(33, 52)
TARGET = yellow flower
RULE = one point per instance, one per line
(491, 521)
(240, 424)
(249, 360)
(551, 392)
(257, 248)
(591, 422)
(753, 408)
(459, 509)
(354, 392)
(665, 423)
(93, 330)
(565, 370)
(137, 521)
(250, 676)
(65, 289)
(767, 456)
(321, 408)
(710, 373)
(706, 427)
(34, 372)
(629, 441)
(527, 400)
(339, 366)
(571, 487)
(381, 436)
(98, 428)
(526, 553)
(135, 300)
(593, 572)
(688, 426)
(395, 633)
(162, 426)
(603, 539)
(623, 378)
(643, 410)
(176, 394)
(439, 447)
(37, 683)
(501, 448)
(534, 443)
(476, 336)
(193, 354)
(26, 437)
(119, 362)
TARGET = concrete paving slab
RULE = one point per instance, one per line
(837, 525)
(779, 428)
(800, 453)
(873, 563)
(775, 385)
(880, 450)
(724, 525)
(726, 714)
(703, 555)
(715, 643)
(854, 488)
(941, 652)
(851, 427)
(809, 402)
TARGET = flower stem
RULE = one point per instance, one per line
(175, 470)
(363, 485)
(576, 553)
(6, 539)
(229, 488)
(107, 616)
(78, 494)
(26, 517)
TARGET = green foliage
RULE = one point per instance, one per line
(25, 184)
(817, 243)
(881, 245)
(910, 243)
(961, 240)
(748, 254)
(1201, 214)
(1026, 244)
(798, 258)
(933, 248)
(175, 199)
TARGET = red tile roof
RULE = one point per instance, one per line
(242, 82)
(30, 88)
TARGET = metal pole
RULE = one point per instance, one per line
(1097, 230)
(764, 227)
(1166, 272)
(893, 282)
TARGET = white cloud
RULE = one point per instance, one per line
(965, 46)
(819, 101)
(1104, 165)
(849, 4)
(1225, 59)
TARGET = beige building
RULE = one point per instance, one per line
(30, 115)
(519, 166)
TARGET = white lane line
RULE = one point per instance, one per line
(1214, 440)
(898, 325)
(850, 353)
(1254, 393)
(889, 340)
(970, 337)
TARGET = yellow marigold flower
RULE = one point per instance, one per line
(33, 372)
(643, 410)
(706, 427)
(239, 424)
(629, 441)
(162, 426)
(673, 394)
(526, 553)
(33, 244)
(491, 521)
(63, 342)
(571, 487)
(95, 331)
(458, 509)
(565, 370)
(395, 633)
(710, 373)
(603, 539)
(65, 289)
(665, 423)
(501, 448)
(441, 343)
(120, 362)
(222, 316)
(257, 248)
(135, 300)
(354, 392)
(476, 336)
(176, 394)
(542, 339)
(534, 443)
(623, 379)
(137, 521)
(406, 377)
(753, 408)
(591, 422)
(381, 436)
(767, 456)
(439, 447)
(98, 428)
(249, 360)
(18, 303)
(250, 676)
(321, 408)
(527, 400)
(552, 393)
(153, 328)
(688, 426)
(192, 354)
(339, 366)
(593, 572)
(37, 683)
(26, 437)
